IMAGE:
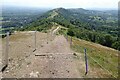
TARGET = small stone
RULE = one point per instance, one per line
(7, 71)
(37, 72)
(51, 57)
(74, 54)
(29, 46)
(67, 71)
(53, 73)
(10, 59)
(35, 75)
(41, 45)
(28, 63)
(27, 66)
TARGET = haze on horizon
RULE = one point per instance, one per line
(91, 4)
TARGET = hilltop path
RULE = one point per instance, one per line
(52, 59)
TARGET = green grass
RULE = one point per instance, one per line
(106, 57)
(62, 31)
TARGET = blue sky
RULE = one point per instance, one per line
(64, 3)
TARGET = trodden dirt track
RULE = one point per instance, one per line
(53, 57)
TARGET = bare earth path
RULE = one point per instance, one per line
(52, 59)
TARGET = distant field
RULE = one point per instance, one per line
(99, 57)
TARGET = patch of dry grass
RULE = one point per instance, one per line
(106, 57)
(19, 35)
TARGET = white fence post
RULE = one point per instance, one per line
(47, 36)
(1, 55)
(5, 58)
(34, 41)
(7, 48)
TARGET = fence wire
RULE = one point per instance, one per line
(101, 66)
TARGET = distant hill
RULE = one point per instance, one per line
(94, 19)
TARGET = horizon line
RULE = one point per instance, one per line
(90, 8)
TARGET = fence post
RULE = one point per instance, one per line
(5, 60)
(86, 62)
(34, 41)
(71, 41)
(52, 35)
(47, 37)
(67, 37)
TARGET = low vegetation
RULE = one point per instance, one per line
(99, 57)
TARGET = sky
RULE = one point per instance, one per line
(112, 4)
